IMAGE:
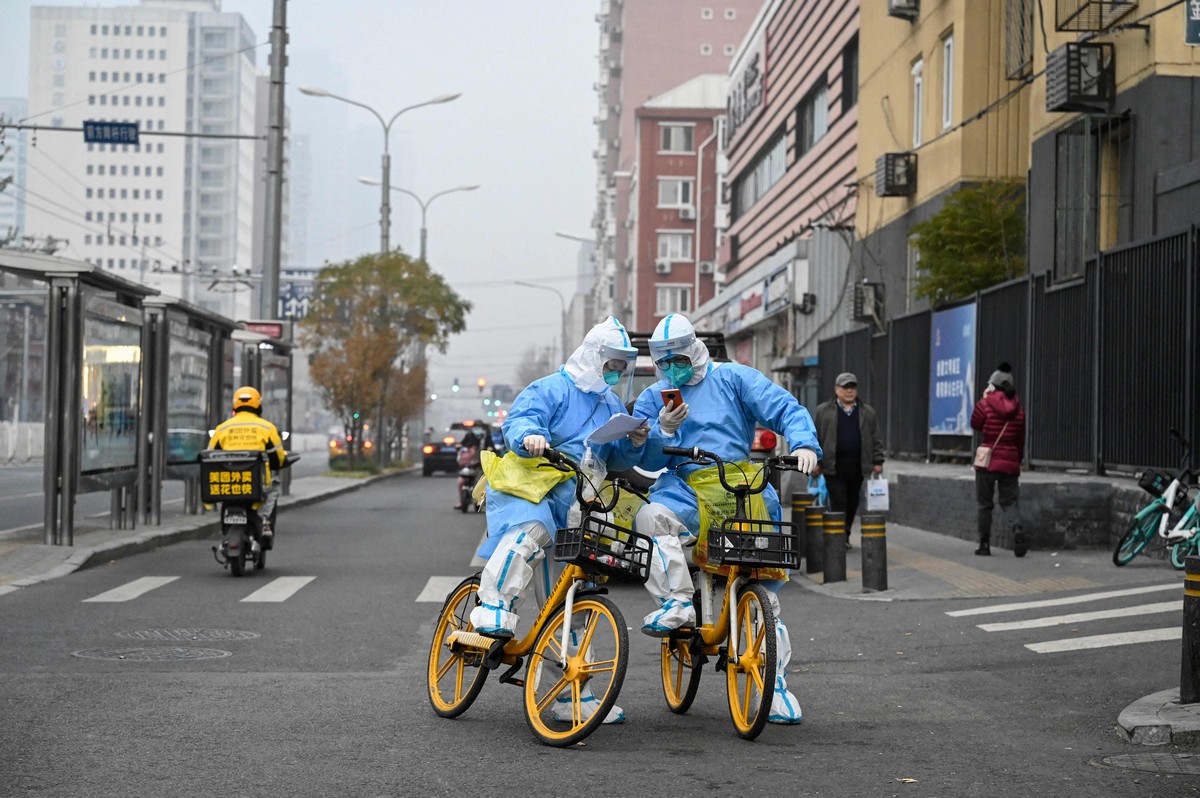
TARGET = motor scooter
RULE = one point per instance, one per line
(469, 471)
(235, 480)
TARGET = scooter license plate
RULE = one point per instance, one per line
(235, 518)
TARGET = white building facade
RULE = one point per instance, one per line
(173, 211)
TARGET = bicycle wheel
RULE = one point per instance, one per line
(1141, 531)
(455, 679)
(750, 682)
(680, 675)
(569, 694)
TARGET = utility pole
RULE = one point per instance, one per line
(269, 297)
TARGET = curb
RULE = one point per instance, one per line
(1159, 719)
(144, 541)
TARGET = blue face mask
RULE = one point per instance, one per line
(678, 375)
(612, 377)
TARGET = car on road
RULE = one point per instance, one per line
(441, 454)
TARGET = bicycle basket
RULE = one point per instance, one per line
(1154, 482)
(231, 476)
(758, 544)
(599, 547)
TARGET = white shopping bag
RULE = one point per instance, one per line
(877, 495)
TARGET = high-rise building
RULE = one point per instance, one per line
(12, 169)
(646, 48)
(173, 211)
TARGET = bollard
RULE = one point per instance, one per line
(814, 540)
(800, 504)
(1189, 675)
(874, 553)
(835, 547)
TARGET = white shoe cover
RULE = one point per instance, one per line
(588, 704)
(785, 709)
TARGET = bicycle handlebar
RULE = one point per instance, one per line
(562, 462)
(702, 457)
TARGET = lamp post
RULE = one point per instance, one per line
(563, 302)
(370, 181)
(385, 210)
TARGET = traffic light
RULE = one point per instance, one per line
(356, 416)
(482, 383)
(455, 387)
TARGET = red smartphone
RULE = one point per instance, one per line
(671, 398)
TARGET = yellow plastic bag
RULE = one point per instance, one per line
(716, 504)
(521, 476)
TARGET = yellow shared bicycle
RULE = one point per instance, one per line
(577, 647)
(742, 636)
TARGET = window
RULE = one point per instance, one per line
(1092, 204)
(764, 172)
(674, 245)
(729, 49)
(918, 97)
(730, 13)
(947, 81)
(674, 192)
(850, 75)
(677, 138)
(673, 299)
(706, 49)
(812, 117)
(706, 13)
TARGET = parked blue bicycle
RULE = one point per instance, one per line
(1151, 523)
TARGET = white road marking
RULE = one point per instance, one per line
(21, 496)
(1029, 605)
(1103, 641)
(280, 589)
(437, 588)
(132, 590)
(1084, 617)
(15, 529)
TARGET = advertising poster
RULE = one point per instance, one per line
(187, 392)
(112, 371)
(952, 370)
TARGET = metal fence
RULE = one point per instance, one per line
(1106, 365)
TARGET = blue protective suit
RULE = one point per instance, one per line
(556, 409)
(724, 408)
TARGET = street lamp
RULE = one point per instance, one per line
(370, 181)
(563, 302)
(385, 210)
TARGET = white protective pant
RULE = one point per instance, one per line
(669, 581)
(508, 571)
(784, 706)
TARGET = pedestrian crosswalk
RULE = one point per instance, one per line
(277, 590)
(1124, 605)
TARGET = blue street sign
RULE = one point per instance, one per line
(110, 132)
(1192, 31)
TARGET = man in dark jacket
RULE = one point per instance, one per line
(849, 437)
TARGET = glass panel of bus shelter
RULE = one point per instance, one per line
(275, 387)
(187, 391)
(22, 349)
(112, 372)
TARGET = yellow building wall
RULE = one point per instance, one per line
(994, 145)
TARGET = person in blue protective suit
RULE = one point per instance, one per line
(722, 403)
(558, 411)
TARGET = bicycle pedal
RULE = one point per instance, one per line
(508, 678)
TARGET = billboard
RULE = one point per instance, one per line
(951, 370)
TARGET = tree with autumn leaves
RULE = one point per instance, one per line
(368, 320)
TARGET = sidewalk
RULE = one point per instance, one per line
(27, 560)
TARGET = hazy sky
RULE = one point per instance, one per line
(522, 129)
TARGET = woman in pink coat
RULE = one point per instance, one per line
(1000, 420)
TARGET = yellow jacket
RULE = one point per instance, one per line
(247, 431)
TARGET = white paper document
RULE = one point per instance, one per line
(618, 426)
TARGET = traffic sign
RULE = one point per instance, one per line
(1191, 33)
(110, 132)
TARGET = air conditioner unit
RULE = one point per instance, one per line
(628, 264)
(628, 224)
(706, 266)
(662, 266)
(896, 174)
(1081, 77)
(615, 143)
(687, 213)
(904, 9)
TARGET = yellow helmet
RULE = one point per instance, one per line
(247, 398)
